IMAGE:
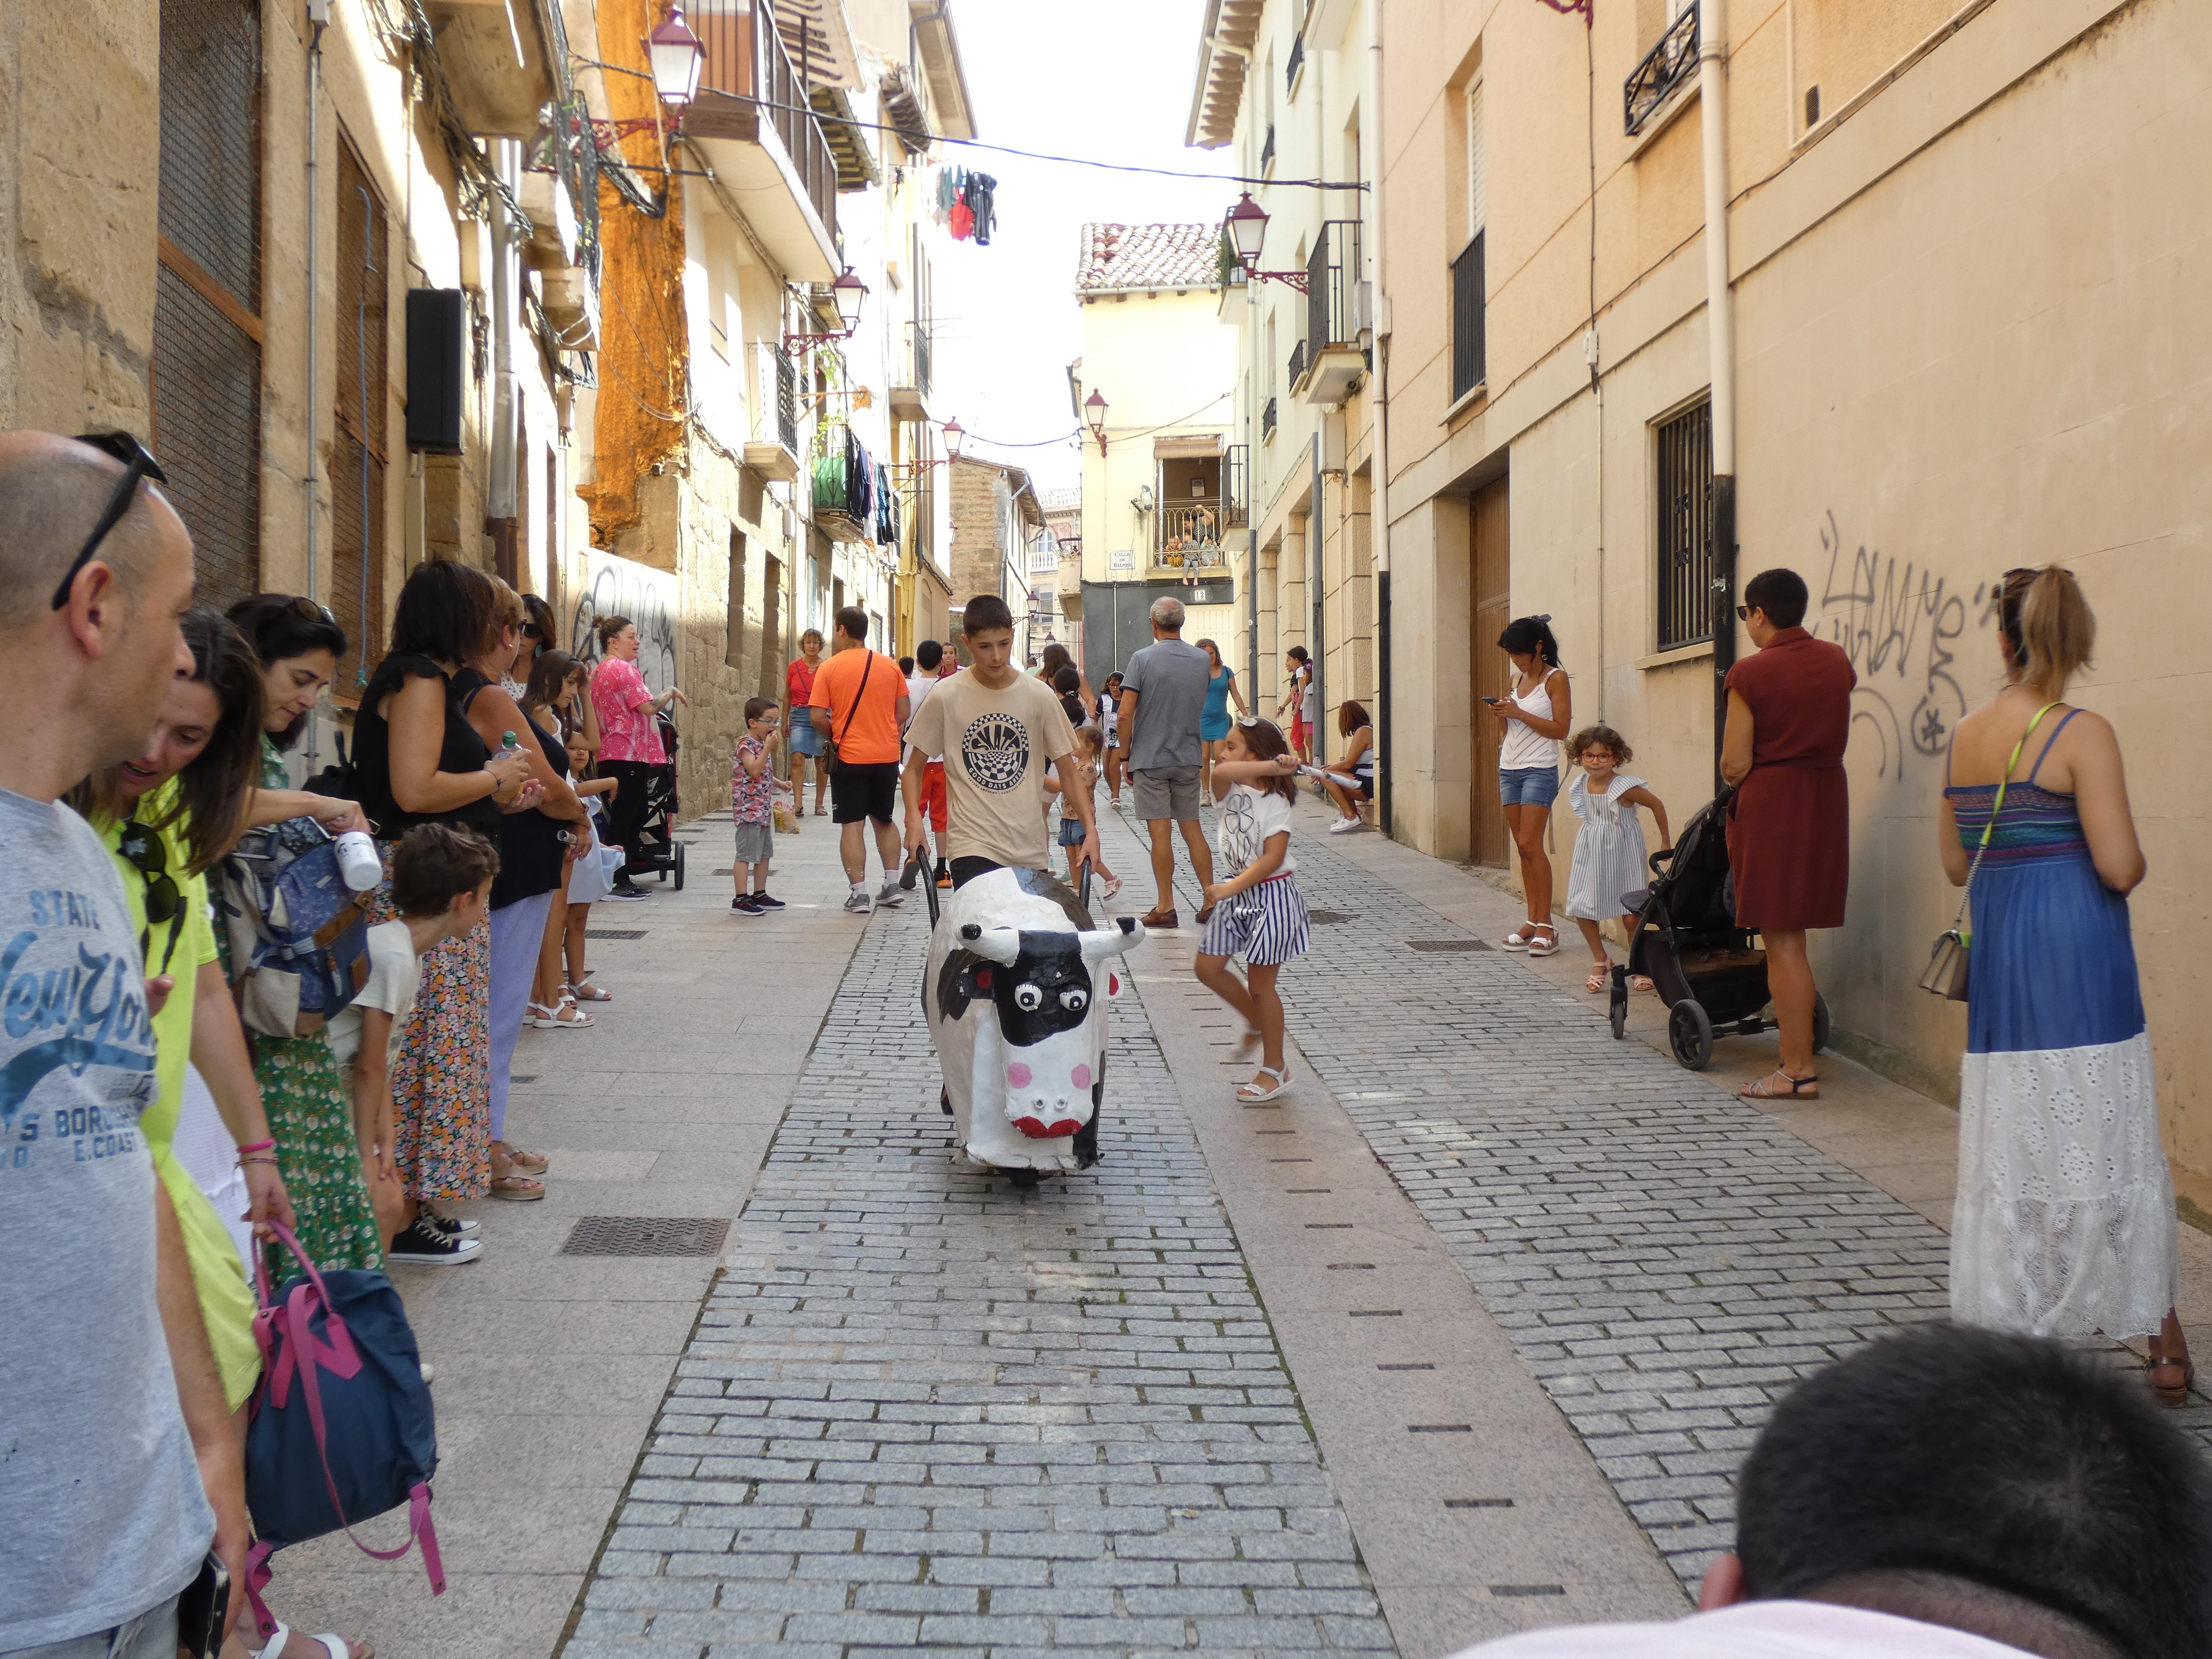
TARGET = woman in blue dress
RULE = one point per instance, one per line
(2063, 1224)
(1214, 719)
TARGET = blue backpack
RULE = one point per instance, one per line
(299, 935)
(341, 1427)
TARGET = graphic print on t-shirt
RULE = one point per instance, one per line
(73, 997)
(1239, 844)
(995, 749)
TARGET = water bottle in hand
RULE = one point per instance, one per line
(358, 863)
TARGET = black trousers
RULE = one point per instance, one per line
(626, 816)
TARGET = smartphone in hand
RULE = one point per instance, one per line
(201, 1609)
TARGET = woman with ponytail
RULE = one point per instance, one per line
(1536, 713)
(2063, 1224)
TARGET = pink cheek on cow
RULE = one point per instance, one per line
(1080, 1077)
(1019, 1075)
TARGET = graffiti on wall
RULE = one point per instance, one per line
(1901, 627)
(622, 588)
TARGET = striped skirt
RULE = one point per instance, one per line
(1266, 925)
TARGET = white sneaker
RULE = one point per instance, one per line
(1346, 826)
(859, 904)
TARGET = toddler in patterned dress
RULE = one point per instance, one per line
(1258, 912)
(753, 784)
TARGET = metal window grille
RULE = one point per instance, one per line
(1467, 318)
(1298, 364)
(787, 399)
(1685, 528)
(1236, 484)
(1666, 69)
(357, 449)
(1267, 420)
(1296, 63)
(1267, 149)
(207, 301)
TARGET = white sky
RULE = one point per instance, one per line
(1111, 82)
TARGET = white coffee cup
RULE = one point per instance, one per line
(358, 861)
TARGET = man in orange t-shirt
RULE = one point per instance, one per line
(861, 707)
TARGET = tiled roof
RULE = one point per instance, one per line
(1148, 256)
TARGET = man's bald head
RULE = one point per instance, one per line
(51, 492)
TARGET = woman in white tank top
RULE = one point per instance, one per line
(1535, 715)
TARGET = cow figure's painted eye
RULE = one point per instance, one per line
(1074, 999)
(1028, 999)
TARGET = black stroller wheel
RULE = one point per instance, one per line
(1821, 1026)
(679, 867)
(1690, 1034)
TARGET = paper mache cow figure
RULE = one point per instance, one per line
(1016, 993)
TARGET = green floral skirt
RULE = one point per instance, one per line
(311, 1114)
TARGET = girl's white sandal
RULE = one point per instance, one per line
(1252, 1094)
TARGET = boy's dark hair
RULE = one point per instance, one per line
(756, 707)
(435, 863)
(1956, 1462)
(1781, 593)
(1264, 740)
(1069, 681)
(906, 665)
(1599, 737)
(1351, 716)
(927, 655)
(854, 621)
(985, 611)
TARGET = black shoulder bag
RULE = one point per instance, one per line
(831, 760)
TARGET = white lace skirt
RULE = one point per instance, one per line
(2063, 1223)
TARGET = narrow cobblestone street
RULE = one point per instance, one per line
(1463, 1337)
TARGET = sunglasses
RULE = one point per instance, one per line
(164, 902)
(137, 465)
(530, 631)
(310, 611)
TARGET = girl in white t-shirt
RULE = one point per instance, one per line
(1257, 913)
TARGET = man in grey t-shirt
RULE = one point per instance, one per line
(1163, 695)
(115, 1435)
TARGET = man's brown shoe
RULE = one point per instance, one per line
(1156, 917)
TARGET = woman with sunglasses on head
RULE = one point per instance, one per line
(417, 760)
(532, 867)
(2063, 1224)
(167, 816)
(309, 1104)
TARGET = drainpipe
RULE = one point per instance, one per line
(318, 16)
(1720, 333)
(1378, 395)
(506, 265)
(1316, 539)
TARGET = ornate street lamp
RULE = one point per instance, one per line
(1094, 417)
(848, 291)
(953, 437)
(678, 57)
(1247, 225)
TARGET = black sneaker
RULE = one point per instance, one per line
(426, 1247)
(458, 1226)
(763, 902)
(745, 905)
(628, 893)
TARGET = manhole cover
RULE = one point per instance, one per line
(647, 1235)
(1324, 918)
(1441, 945)
(614, 932)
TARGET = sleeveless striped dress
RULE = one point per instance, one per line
(2063, 1224)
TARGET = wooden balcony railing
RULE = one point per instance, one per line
(746, 58)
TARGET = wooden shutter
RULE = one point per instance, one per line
(206, 296)
(357, 447)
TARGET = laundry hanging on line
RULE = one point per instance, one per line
(966, 204)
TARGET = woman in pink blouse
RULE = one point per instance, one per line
(629, 739)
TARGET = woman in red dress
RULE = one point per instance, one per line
(1789, 834)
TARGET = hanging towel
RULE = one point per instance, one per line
(982, 189)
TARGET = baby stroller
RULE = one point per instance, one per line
(657, 851)
(1707, 970)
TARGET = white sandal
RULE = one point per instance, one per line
(1544, 947)
(565, 1016)
(587, 992)
(334, 1645)
(1517, 940)
(1252, 1094)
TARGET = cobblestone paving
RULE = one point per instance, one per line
(922, 1409)
(1667, 1259)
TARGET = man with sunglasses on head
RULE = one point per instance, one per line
(118, 1444)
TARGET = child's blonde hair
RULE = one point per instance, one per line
(1599, 737)
(1090, 739)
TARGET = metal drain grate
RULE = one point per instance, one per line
(614, 932)
(1442, 945)
(647, 1235)
(1327, 918)
(521, 1077)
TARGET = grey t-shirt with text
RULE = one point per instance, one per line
(1170, 680)
(107, 1516)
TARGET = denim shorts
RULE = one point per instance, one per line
(1528, 786)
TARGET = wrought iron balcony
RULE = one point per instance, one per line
(1267, 421)
(1666, 69)
(1468, 297)
(1267, 150)
(1297, 61)
(1298, 364)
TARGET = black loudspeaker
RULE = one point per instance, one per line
(437, 336)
